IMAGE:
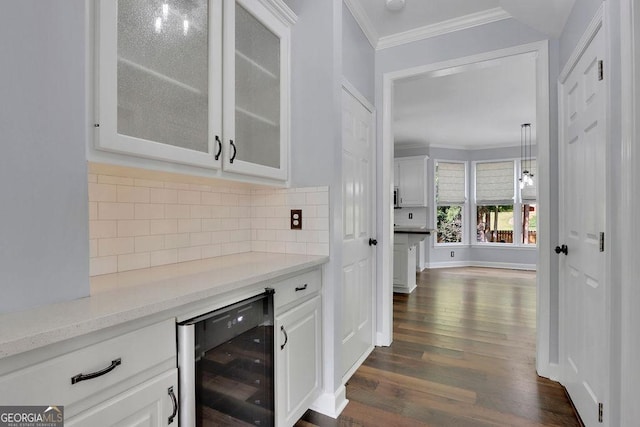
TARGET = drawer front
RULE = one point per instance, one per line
(297, 287)
(50, 382)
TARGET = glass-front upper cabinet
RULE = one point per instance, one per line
(159, 79)
(256, 90)
(170, 73)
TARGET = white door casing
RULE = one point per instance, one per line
(583, 276)
(358, 264)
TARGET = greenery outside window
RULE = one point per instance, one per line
(451, 198)
(494, 224)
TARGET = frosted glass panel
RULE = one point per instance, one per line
(163, 71)
(257, 91)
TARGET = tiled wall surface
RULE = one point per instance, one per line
(270, 221)
(138, 223)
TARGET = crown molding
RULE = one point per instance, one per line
(363, 21)
(281, 10)
(440, 28)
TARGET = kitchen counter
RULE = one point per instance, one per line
(124, 297)
(412, 230)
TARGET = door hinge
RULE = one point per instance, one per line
(602, 241)
(600, 412)
(601, 70)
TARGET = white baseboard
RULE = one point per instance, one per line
(506, 265)
(331, 404)
(382, 340)
(551, 371)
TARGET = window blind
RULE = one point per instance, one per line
(529, 192)
(450, 183)
(494, 182)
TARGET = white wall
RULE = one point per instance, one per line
(44, 243)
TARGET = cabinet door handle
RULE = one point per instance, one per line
(219, 147)
(176, 407)
(233, 156)
(301, 288)
(286, 337)
(92, 375)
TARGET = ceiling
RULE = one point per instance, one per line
(471, 107)
(420, 19)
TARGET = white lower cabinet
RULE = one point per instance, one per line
(150, 404)
(298, 346)
(123, 380)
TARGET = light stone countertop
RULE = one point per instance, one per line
(123, 297)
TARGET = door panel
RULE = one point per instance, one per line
(583, 274)
(358, 218)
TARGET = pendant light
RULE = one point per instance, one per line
(526, 176)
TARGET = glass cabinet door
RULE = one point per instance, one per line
(256, 65)
(154, 79)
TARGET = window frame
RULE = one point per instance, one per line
(516, 203)
(465, 205)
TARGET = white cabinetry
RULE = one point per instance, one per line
(149, 404)
(133, 373)
(298, 346)
(404, 264)
(411, 180)
(168, 73)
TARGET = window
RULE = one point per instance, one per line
(451, 198)
(529, 211)
(495, 195)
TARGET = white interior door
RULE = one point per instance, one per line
(358, 267)
(583, 269)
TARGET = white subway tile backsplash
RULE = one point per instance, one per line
(102, 192)
(108, 210)
(103, 265)
(103, 229)
(130, 194)
(148, 243)
(200, 239)
(134, 261)
(168, 256)
(149, 211)
(189, 225)
(115, 246)
(137, 222)
(188, 197)
(189, 254)
(133, 227)
(164, 195)
(163, 226)
(172, 241)
(177, 211)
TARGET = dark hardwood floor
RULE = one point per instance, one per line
(463, 354)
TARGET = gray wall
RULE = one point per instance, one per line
(581, 14)
(358, 56)
(316, 149)
(44, 238)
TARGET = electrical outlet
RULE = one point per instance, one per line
(410, 215)
(296, 219)
(453, 254)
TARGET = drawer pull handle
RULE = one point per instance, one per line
(286, 337)
(301, 288)
(174, 400)
(83, 377)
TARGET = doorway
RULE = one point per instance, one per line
(544, 280)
